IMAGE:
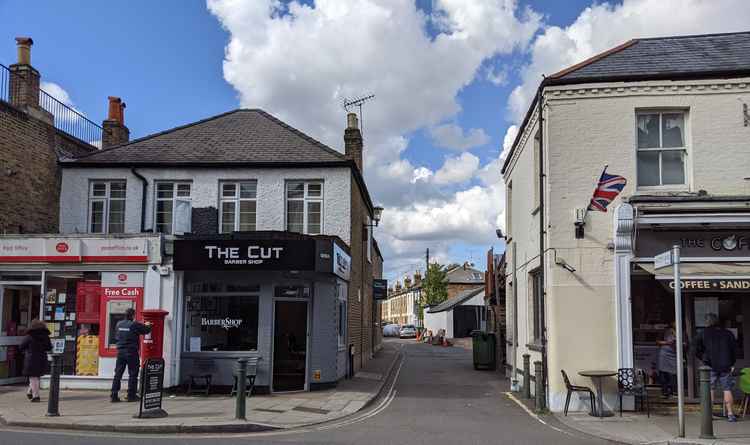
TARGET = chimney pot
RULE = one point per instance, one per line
(24, 50)
(115, 132)
(352, 121)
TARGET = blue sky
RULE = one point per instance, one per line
(166, 59)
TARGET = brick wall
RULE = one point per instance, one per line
(456, 288)
(360, 288)
(29, 174)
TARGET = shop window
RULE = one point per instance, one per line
(170, 197)
(341, 290)
(304, 207)
(661, 148)
(238, 206)
(221, 323)
(107, 207)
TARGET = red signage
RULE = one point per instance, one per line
(62, 247)
(130, 292)
(122, 278)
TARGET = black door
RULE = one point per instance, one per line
(289, 345)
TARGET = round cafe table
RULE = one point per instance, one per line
(597, 376)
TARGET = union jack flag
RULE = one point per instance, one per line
(606, 191)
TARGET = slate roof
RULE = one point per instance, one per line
(666, 57)
(457, 300)
(461, 275)
(243, 136)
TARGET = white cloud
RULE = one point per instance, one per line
(457, 170)
(57, 92)
(603, 26)
(452, 136)
(299, 61)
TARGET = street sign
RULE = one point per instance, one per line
(152, 386)
(663, 260)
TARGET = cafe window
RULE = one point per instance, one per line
(238, 206)
(304, 207)
(661, 148)
(221, 323)
(107, 207)
(168, 196)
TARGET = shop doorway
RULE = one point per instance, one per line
(18, 306)
(290, 346)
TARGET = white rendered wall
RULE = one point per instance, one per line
(205, 193)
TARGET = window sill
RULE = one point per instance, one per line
(643, 190)
(537, 347)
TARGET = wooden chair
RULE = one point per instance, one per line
(575, 388)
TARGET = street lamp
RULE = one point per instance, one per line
(377, 212)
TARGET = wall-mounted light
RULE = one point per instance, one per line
(564, 264)
(377, 212)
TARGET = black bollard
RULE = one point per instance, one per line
(239, 412)
(538, 387)
(526, 376)
(53, 402)
(707, 423)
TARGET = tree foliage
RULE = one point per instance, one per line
(435, 285)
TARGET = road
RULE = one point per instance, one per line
(435, 397)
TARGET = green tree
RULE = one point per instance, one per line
(435, 285)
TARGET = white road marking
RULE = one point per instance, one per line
(533, 415)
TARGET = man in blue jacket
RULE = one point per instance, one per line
(128, 345)
(717, 349)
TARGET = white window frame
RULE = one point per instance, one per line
(237, 200)
(175, 197)
(684, 149)
(106, 199)
(306, 199)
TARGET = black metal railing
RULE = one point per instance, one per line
(66, 118)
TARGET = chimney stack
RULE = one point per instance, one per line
(407, 283)
(417, 278)
(115, 132)
(24, 79)
(353, 140)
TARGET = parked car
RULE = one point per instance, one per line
(391, 330)
(407, 331)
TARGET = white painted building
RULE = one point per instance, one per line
(459, 315)
(670, 115)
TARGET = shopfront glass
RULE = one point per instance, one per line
(221, 317)
(19, 304)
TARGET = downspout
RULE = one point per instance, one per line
(542, 231)
(144, 181)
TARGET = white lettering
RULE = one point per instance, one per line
(226, 323)
(277, 251)
(210, 250)
(250, 253)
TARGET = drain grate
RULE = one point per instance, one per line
(310, 410)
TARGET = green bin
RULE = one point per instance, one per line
(484, 347)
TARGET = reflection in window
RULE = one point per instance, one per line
(304, 207)
(661, 148)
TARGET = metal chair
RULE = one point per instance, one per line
(574, 388)
(631, 382)
(252, 371)
(744, 383)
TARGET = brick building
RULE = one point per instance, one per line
(32, 140)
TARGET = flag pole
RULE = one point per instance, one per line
(588, 206)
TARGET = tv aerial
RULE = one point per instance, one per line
(350, 103)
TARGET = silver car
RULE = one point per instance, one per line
(407, 331)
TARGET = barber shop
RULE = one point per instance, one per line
(278, 299)
(714, 279)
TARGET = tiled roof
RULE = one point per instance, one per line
(461, 275)
(244, 136)
(457, 300)
(666, 56)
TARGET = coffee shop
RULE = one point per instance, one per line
(277, 297)
(715, 278)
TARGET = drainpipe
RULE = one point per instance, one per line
(143, 198)
(542, 232)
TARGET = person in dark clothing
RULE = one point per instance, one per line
(716, 348)
(128, 345)
(35, 346)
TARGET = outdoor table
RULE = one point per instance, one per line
(597, 376)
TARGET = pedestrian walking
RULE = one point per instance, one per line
(128, 334)
(35, 346)
(716, 348)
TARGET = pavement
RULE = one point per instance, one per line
(433, 397)
(660, 428)
(91, 410)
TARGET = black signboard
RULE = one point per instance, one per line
(244, 254)
(152, 386)
(711, 285)
(379, 289)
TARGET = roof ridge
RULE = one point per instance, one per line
(163, 132)
(687, 36)
(300, 133)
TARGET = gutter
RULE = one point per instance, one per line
(144, 181)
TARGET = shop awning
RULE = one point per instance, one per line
(701, 270)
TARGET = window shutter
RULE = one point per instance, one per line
(182, 216)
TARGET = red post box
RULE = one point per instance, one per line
(153, 343)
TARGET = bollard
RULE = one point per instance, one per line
(538, 387)
(53, 403)
(239, 412)
(707, 424)
(526, 376)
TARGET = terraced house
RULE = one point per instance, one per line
(671, 116)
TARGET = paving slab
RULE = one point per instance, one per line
(92, 410)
